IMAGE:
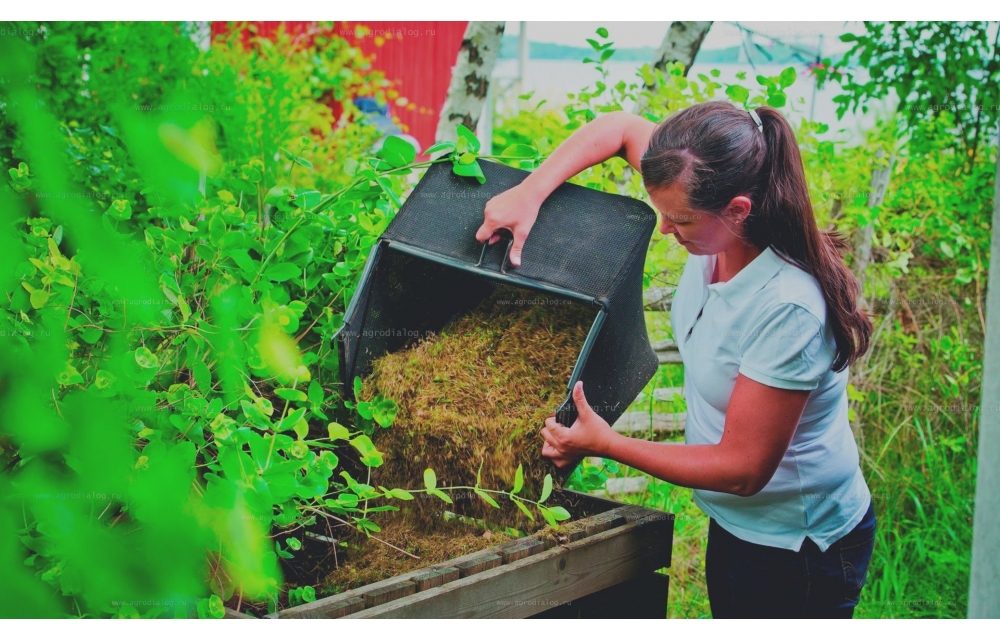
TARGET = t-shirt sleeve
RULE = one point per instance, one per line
(786, 349)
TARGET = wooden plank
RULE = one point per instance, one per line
(624, 485)
(604, 521)
(337, 608)
(569, 532)
(641, 422)
(478, 564)
(562, 574)
(667, 352)
(641, 598)
(390, 592)
(435, 578)
(233, 614)
(577, 502)
(666, 394)
(513, 551)
(658, 298)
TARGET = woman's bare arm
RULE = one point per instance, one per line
(614, 134)
(760, 423)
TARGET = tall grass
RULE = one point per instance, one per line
(916, 409)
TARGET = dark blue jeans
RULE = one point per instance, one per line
(747, 580)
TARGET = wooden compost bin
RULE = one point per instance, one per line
(603, 565)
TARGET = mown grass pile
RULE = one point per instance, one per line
(473, 399)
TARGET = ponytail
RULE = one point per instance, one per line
(718, 153)
(785, 222)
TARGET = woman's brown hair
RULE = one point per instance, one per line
(718, 153)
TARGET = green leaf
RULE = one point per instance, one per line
(486, 498)
(559, 513)
(440, 494)
(776, 100)
(38, 298)
(216, 608)
(103, 380)
(549, 518)
(370, 456)
(294, 544)
(397, 152)
(524, 509)
(282, 272)
(329, 459)
(298, 449)
(69, 375)
(290, 394)
(737, 93)
(519, 151)
(338, 431)
(365, 410)
(384, 412)
(120, 210)
(430, 478)
(202, 376)
(469, 137)
(289, 421)
(315, 392)
(601, 31)
(518, 479)
(301, 429)
(146, 358)
(347, 500)
(470, 171)
(546, 488)
(438, 147)
(787, 77)
(279, 194)
(400, 494)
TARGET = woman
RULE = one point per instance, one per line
(766, 320)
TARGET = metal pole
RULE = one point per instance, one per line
(819, 57)
(984, 583)
(523, 53)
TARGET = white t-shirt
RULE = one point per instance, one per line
(769, 323)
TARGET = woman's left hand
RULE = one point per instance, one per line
(590, 435)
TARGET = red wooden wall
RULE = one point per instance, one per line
(416, 56)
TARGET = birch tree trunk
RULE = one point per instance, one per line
(984, 583)
(681, 44)
(470, 78)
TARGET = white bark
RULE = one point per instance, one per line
(680, 44)
(470, 78)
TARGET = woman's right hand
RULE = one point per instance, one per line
(516, 210)
(611, 134)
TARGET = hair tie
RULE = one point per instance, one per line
(756, 119)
